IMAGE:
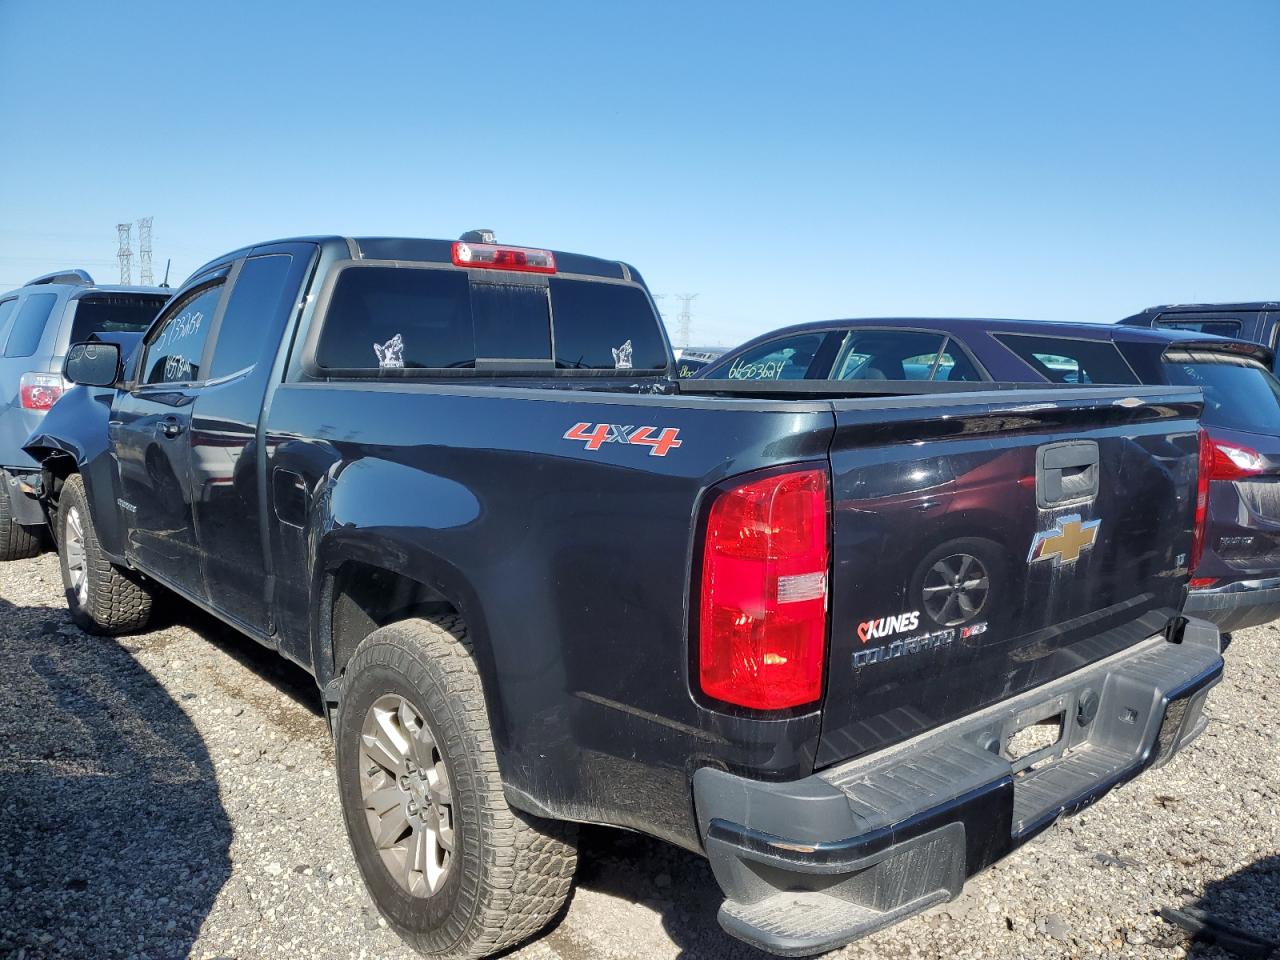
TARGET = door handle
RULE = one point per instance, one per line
(170, 427)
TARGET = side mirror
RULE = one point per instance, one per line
(93, 364)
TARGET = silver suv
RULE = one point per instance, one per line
(37, 323)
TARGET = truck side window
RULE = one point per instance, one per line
(787, 358)
(29, 327)
(177, 349)
(255, 298)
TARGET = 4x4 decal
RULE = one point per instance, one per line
(595, 435)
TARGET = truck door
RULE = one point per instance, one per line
(226, 459)
(151, 436)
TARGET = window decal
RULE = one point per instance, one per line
(622, 356)
(390, 354)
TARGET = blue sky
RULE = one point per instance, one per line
(787, 162)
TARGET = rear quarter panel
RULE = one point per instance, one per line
(571, 566)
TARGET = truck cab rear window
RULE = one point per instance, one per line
(428, 319)
(593, 320)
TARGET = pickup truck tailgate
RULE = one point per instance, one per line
(983, 546)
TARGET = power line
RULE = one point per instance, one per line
(124, 254)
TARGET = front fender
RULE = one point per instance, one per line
(77, 430)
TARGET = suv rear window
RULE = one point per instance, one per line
(1219, 328)
(1239, 394)
(29, 327)
(1067, 360)
(429, 319)
(114, 313)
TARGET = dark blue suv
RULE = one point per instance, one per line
(1237, 579)
(1258, 321)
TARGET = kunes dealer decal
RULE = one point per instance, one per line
(888, 626)
(882, 627)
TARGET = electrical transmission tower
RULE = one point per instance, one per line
(124, 254)
(144, 252)
(685, 322)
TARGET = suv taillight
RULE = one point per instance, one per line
(1203, 476)
(762, 606)
(39, 391)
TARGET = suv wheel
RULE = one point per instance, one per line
(455, 871)
(16, 541)
(102, 597)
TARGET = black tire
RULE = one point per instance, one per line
(994, 563)
(114, 600)
(510, 874)
(16, 541)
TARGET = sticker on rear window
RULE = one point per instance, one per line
(390, 354)
(622, 356)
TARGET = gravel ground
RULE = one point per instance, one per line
(172, 794)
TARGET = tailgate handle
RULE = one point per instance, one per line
(1066, 473)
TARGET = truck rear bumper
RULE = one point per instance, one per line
(810, 865)
(1235, 606)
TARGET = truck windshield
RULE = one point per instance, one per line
(380, 317)
(1239, 394)
(114, 313)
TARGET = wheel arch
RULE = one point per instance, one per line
(365, 581)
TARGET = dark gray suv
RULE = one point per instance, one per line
(38, 322)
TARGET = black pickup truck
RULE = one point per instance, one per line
(852, 642)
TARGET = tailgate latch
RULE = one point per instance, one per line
(1066, 473)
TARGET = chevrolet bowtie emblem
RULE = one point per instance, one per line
(1064, 544)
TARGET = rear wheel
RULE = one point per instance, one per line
(455, 871)
(102, 597)
(16, 541)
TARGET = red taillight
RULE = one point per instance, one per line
(1203, 476)
(762, 623)
(496, 257)
(39, 391)
(1231, 461)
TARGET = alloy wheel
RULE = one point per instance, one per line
(77, 566)
(408, 799)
